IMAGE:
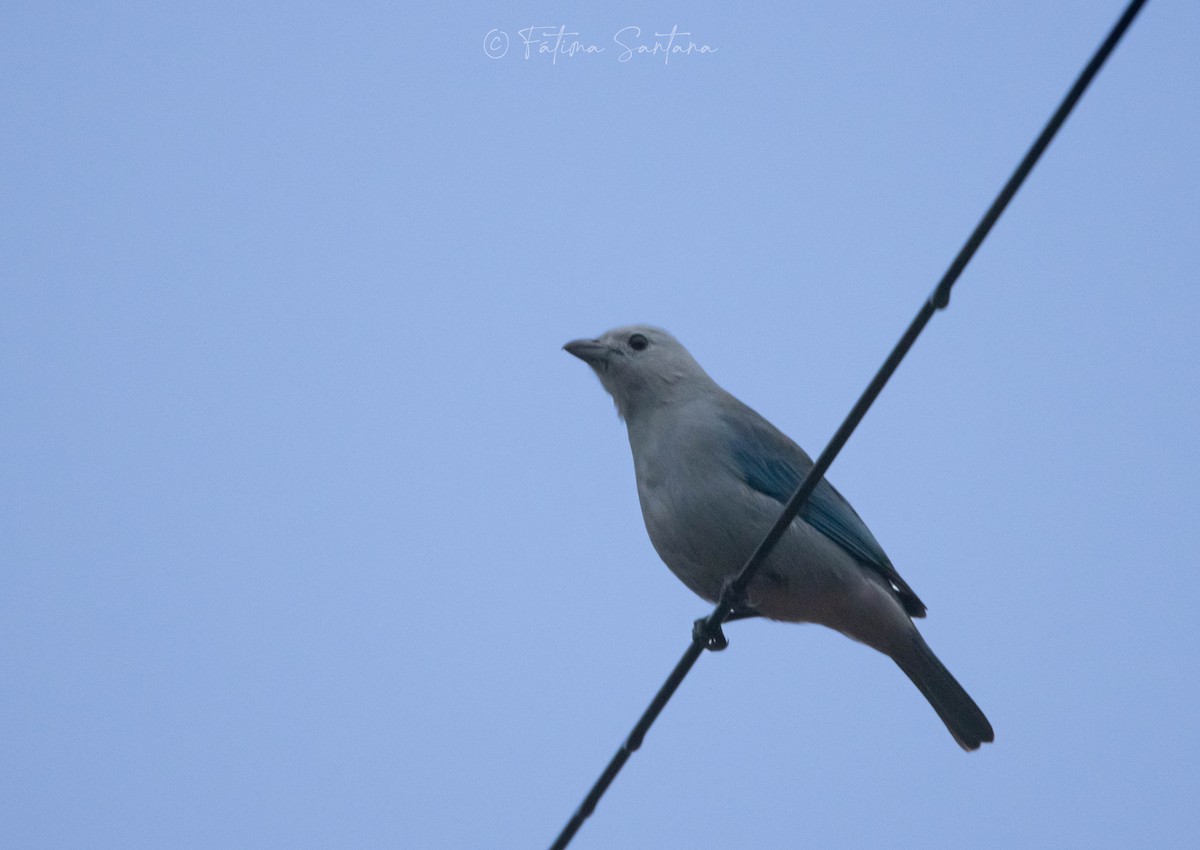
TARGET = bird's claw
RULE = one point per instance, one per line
(711, 636)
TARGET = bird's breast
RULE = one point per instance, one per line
(696, 514)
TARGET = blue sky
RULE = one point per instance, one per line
(313, 537)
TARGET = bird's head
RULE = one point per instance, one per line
(641, 366)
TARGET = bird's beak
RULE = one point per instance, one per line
(590, 351)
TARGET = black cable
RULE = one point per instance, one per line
(706, 633)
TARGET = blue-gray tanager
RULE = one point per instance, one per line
(712, 477)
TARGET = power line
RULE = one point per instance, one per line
(707, 633)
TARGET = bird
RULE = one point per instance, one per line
(713, 476)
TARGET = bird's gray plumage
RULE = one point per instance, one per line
(712, 476)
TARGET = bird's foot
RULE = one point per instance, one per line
(710, 636)
(742, 614)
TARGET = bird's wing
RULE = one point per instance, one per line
(773, 465)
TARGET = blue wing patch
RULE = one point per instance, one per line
(825, 509)
(773, 465)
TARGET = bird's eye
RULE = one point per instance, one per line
(638, 342)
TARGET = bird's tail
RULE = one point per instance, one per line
(954, 705)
